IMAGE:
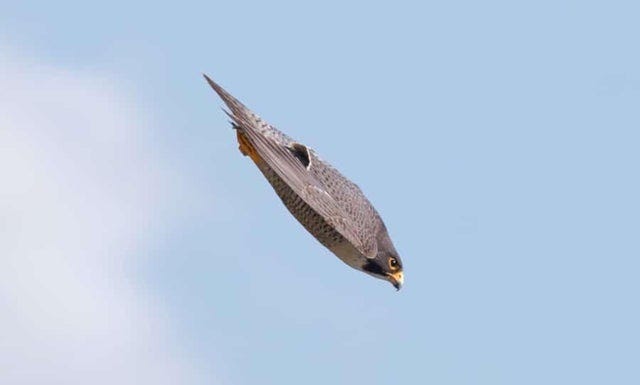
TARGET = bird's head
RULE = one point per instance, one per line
(387, 266)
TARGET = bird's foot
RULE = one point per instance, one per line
(246, 148)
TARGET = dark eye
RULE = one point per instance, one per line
(393, 263)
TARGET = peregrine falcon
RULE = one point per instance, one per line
(331, 207)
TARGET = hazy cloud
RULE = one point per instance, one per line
(80, 194)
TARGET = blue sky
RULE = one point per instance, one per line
(499, 141)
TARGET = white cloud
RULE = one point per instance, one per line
(79, 194)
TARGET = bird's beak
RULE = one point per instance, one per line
(396, 279)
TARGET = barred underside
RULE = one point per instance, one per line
(307, 217)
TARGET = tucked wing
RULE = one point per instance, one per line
(282, 155)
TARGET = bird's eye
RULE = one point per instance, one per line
(393, 263)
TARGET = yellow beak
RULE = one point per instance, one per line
(396, 279)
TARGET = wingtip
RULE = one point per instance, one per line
(216, 87)
(211, 82)
(234, 104)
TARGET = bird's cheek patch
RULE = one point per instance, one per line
(373, 267)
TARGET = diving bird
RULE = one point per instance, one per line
(331, 207)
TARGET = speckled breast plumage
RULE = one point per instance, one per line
(309, 218)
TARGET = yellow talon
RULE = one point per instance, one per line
(246, 148)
